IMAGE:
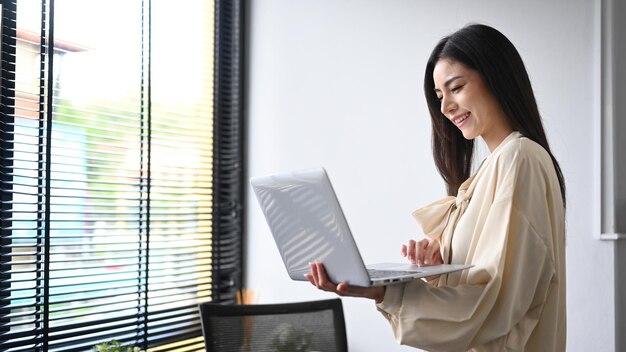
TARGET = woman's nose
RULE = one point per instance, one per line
(447, 105)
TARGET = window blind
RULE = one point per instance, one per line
(121, 171)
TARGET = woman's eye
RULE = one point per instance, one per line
(456, 89)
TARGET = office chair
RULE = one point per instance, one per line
(286, 327)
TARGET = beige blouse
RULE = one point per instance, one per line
(508, 221)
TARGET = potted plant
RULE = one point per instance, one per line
(289, 338)
(114, 346)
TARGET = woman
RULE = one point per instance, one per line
(507, 219)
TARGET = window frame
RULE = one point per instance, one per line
(228, 147)
(229, 140)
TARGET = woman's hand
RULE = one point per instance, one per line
(318, 278)
(424, 252)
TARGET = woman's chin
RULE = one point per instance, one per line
(467, 134)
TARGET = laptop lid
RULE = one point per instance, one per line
(308, 225)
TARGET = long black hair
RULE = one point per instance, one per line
(487, 51)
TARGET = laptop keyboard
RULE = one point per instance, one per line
(375, 273)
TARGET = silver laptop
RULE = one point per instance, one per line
(306, 220)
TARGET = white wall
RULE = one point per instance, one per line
(337, 83)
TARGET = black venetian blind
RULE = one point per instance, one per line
(121, 171)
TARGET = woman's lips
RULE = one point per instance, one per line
(460, 120)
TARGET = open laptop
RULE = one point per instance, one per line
(308, 225)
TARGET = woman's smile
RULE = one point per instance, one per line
(459, 120)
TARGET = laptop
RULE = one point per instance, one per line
(308, 225)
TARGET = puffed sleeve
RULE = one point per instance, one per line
(499, 301)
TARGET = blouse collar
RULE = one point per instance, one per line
(512, 136)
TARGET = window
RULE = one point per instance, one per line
(121, 175)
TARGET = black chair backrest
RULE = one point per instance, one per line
(292, 327)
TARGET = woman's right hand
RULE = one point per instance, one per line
(318, 278)
(424, 252)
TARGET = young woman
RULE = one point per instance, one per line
(507, 219)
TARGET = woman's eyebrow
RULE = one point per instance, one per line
(448, 82)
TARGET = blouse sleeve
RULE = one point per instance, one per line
(507, 286)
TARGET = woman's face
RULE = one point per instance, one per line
(468, 104)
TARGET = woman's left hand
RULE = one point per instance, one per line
(318, 278)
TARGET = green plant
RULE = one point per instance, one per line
(288, 338)
(114, 346)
